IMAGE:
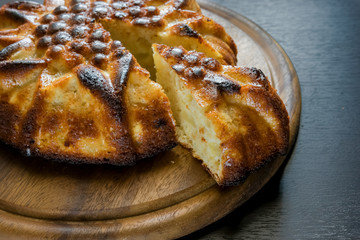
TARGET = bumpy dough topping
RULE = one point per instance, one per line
(195, 66)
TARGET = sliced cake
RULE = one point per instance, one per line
(230, 117)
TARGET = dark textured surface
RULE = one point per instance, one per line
(317, 196)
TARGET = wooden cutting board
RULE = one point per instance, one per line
(167, 196)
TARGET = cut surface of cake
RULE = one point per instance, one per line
(230, 117)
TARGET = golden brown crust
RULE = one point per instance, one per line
(261, 143)
(249, 117)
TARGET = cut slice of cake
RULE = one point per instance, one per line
(230, 117)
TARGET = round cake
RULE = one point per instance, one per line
(78, 84)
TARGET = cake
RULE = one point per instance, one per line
(229, 117)
(78, 84)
